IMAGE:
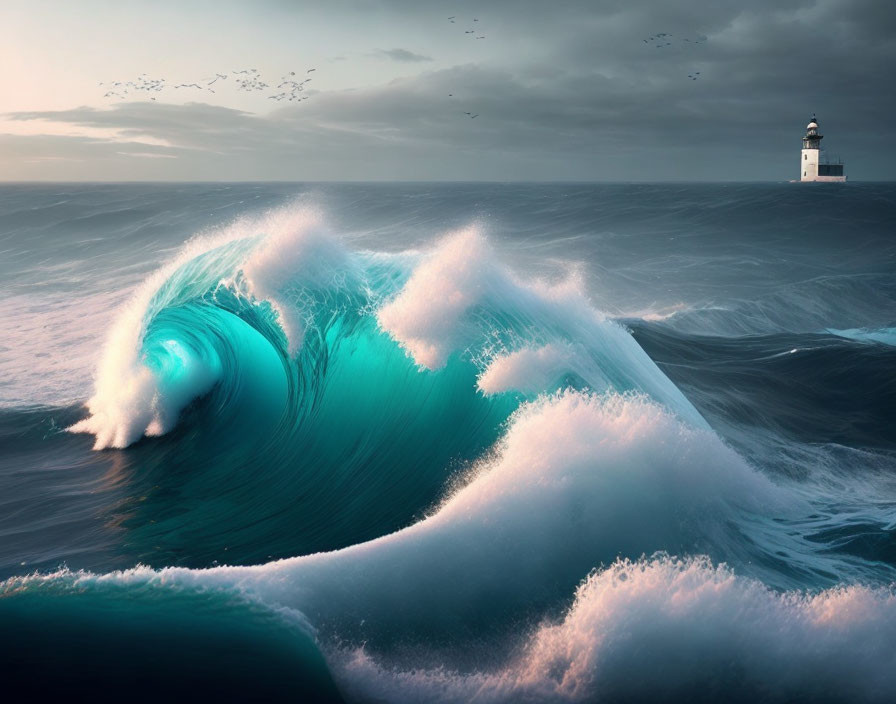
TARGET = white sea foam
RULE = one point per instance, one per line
(127, 402)
(125, 392)
(460, 294)
(297, 254)
(428, 317)
(656, 314)
(673, 630)
(539, 369)
(527, 370)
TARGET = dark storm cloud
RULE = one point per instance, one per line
(575, 92)
(403, 55)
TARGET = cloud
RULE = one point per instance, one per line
(403, 55)
(585, 99)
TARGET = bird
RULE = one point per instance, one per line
(310, 70)
(473, 117)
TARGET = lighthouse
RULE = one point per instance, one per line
(813, 164)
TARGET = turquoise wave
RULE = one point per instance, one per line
(293, 420)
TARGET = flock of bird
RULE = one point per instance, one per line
(290, 88)
(474, 33)
(661, 40)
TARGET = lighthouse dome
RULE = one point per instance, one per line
(812, 125)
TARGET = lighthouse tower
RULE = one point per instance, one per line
(812, 166)
(811, 152)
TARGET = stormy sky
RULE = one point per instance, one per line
(562, 90)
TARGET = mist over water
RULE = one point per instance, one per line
(452, 442)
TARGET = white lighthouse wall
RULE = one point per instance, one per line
(809, 165)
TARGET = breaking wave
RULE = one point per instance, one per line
(487, 489)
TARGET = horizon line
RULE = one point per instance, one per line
(23, 182)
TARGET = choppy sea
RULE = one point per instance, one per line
(448, 442)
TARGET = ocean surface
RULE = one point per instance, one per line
(448, 442)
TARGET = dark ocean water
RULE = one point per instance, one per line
(449, 442)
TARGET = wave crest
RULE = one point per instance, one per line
(671, 629)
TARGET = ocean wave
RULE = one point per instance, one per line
(577, 479)
(822, 303)
(810, 387)
(322, 368)
(580, 483)
(668, 629)
(151, 367)
(445, 449)
(182, 333)
(87, 642)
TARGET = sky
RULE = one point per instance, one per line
(564, 90)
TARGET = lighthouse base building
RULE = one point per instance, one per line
(814, 166)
